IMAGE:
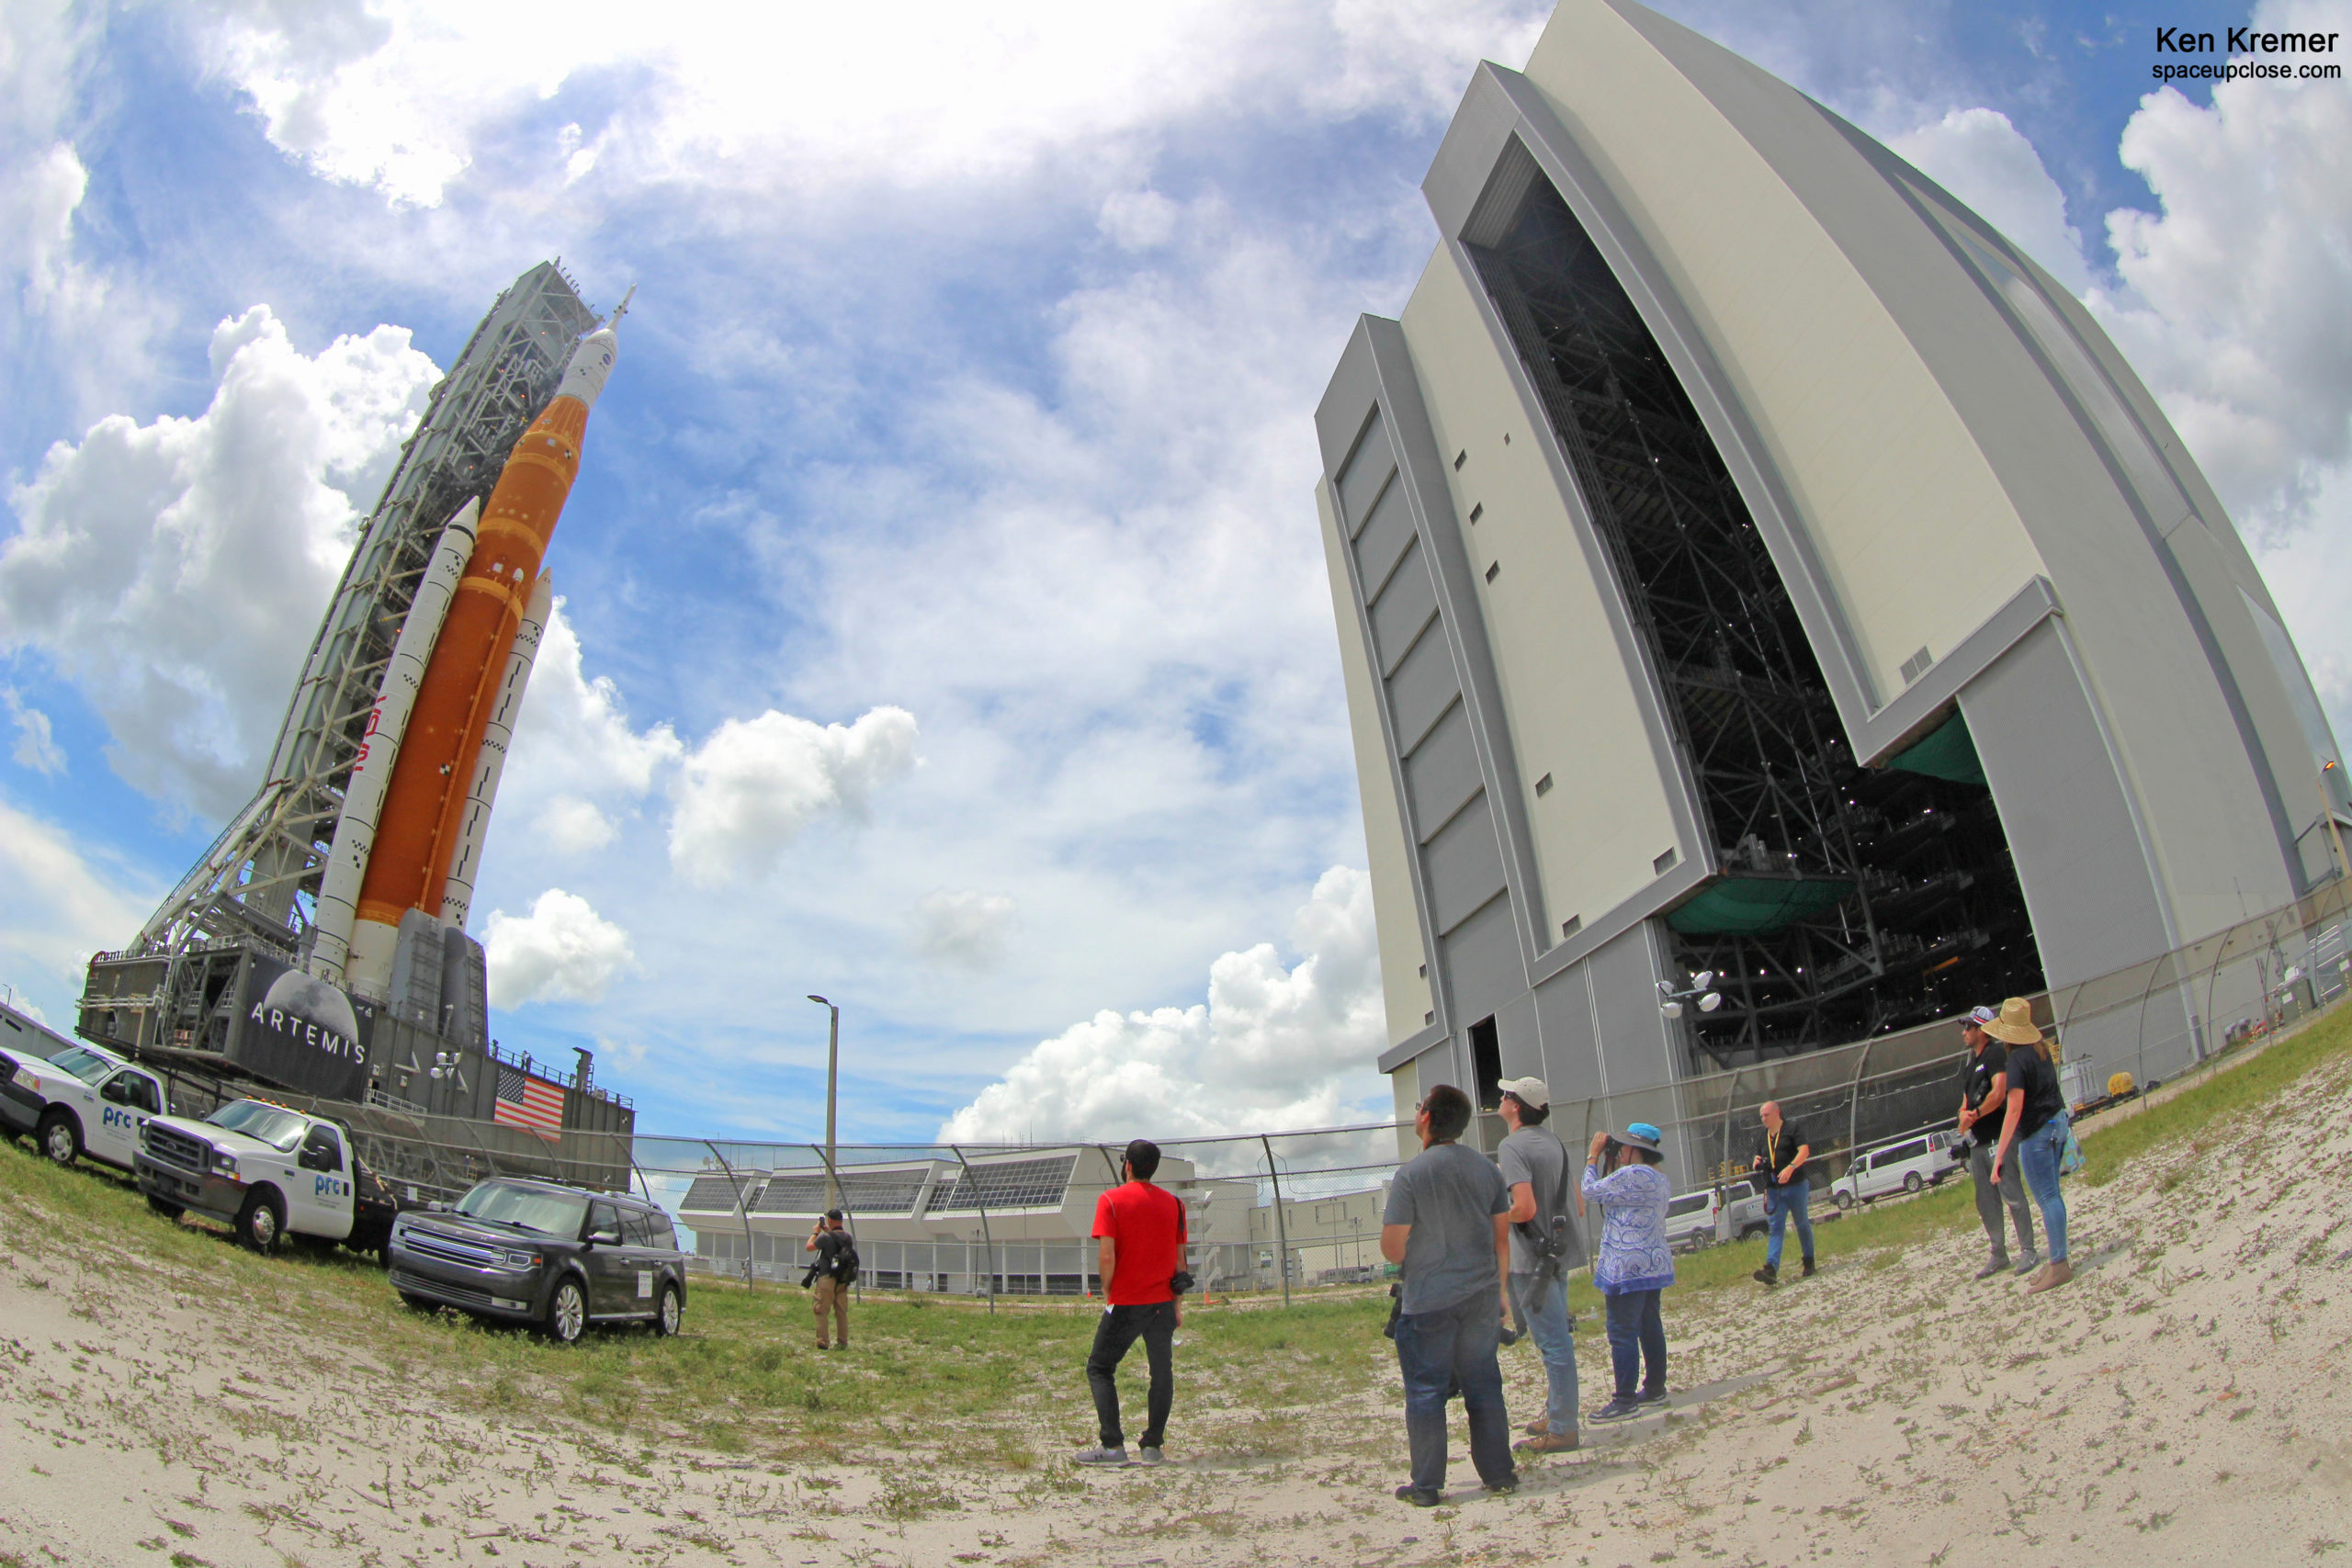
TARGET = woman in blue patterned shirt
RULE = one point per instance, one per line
(1635, 1262)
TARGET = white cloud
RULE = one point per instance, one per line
(747, 791)
(563, 951)
(36, 747)
(1984, 160)
(967, 930)
(60, 906)
(2237, 299)
(1274, 1047)
(402, 95)
(573, 827)
(174, 571)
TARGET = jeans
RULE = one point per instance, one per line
(1779, 1203)
(1636, 1334)
(1115, 1333)
(1991, 1196)
(1437, 1351)
(1547, 1320)
(2037, 1156)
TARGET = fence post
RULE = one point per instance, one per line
(986, 1239)
(1854, 1107)
(1282, 1230)
(742, 1212)
(1113, 1166)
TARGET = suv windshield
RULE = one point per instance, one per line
(533, 1208)
(87, 1066)
(281, 1130)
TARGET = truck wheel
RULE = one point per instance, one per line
(666, 1317)
(261, 1222)
(164, 1207)
(1845, 1201)
(60, 1137)
(567, 1312)
(1912, 1183)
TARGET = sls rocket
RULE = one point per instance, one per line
(422, 849)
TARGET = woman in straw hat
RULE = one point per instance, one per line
(2034, 1132)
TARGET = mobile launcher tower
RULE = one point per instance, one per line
(319, 944)
(1747, 562)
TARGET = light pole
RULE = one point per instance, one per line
(833, 1084)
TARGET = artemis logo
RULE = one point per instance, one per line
(307, 1033)
(2245, 40)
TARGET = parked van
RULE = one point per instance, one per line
(1912, 1166)
(1690, 1220)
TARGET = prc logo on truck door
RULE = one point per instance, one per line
(129, 1121)
(329, 1187)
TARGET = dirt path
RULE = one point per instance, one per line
(2180, 1401)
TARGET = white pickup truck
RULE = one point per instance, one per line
(81, 1101)
(268, 1172)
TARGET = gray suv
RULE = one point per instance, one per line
(537, 1252)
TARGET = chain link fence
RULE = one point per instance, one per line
(1280, 1211)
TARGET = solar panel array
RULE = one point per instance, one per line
(1009, 1184)
(863, 1191)
(716, 1194)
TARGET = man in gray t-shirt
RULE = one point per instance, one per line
(1533, 1166)
(1445, 1225)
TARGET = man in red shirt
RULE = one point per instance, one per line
(1141, 1228)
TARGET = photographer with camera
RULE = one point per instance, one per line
(1781, 1155)
(1636, 1260)
(1140, 1230)
(831, 1276)
(1448, 1225)
(1544, 1246)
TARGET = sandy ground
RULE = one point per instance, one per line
(2180, 1400)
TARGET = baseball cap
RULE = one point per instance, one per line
(1529, 1092)
(1980, 1017)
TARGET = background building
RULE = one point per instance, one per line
(1747, 561)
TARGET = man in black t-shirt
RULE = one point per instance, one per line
(833, 1248)
(1780, 1155)
(1984, 1106)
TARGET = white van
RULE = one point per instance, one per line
(1690, 1220)
(1913, 1165)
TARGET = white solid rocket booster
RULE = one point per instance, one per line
(379, 745)
(498, 732)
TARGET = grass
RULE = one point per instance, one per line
(993, 1390)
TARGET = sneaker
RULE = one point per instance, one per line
(1647, 1397)
(1418, 1499)
(2028, 1264)
(1998, 1264)
(1768, 1275)
(1150, 1456)
(2049, 1279)
(1622, 1408)
(1550, 1443)
(1807, 1272)
(1109, 1456)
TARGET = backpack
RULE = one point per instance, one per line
(845, 1264)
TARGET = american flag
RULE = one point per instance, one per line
(528, 1101)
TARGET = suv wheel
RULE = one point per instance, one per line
(1844, 1201)
(261, 1222)
(1912, 1183)
(665, 1318)
(566, 1310)
(60, 1137)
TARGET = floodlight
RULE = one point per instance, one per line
(1703, 979)
(1710, 1001)
(1672, 1010)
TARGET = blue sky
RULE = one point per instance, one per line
(943, 622)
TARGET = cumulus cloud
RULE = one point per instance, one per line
(174, 571)
(61, 905)
(1986, 161)
(963, 931)
(747, 791)
(1274, 1047)
(36, 746)
(401, 95)
(573, 827)
(561, 950)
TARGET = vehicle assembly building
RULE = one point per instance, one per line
(1747, 560)
(319, 944)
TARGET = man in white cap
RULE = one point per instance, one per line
(1535, 1168)
(1983, 1107)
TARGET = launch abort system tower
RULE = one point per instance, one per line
(1746, 559)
